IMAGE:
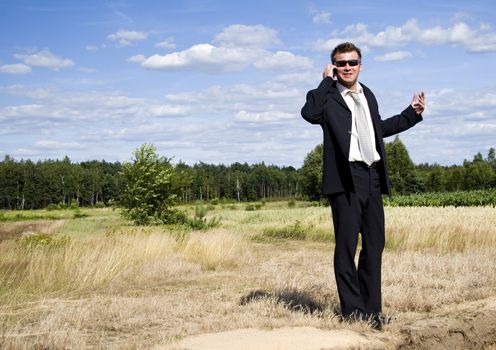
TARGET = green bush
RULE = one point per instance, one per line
(44, 240)
(250, 207)
(53, 207)
(254, 206)
(79, 214)
(199, 221)
(296, 231)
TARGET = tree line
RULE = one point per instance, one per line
(407, 178)
(25, 184)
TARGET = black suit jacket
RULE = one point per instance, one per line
(326, 106)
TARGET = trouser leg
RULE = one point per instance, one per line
(346, 214)
(370, 258)
(359, 288)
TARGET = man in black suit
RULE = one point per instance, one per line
(355, 176)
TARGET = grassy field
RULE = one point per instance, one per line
(92, 280)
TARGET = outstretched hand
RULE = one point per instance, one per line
(418, 102)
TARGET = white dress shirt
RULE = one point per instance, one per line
(355, 155)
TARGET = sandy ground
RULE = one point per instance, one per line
(466, 326)
(296, 338)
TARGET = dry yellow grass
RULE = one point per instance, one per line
(82, 266)
(442, 230)
(145, 287)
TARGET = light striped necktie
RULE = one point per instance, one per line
(363, 131)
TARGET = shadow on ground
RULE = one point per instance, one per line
(293, 299)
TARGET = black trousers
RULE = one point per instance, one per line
(362, 212)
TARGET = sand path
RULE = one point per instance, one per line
(294, 338)
(466, 326)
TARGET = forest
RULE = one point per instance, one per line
(25, 184)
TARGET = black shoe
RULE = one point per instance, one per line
(378, 321)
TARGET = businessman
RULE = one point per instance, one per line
(355, 176)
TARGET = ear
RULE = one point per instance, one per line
(360, 69)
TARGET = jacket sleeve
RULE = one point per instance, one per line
(400, 122)
(313, 110)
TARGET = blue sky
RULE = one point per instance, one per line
(224, 81)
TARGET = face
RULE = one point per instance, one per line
(348, 75)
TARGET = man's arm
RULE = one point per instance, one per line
(408, 118)
(313, 110)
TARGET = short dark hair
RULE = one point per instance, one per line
(345, 47)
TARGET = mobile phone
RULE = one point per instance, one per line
(334, 72)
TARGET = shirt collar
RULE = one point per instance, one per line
(344, 90)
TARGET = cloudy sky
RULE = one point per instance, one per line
(224, 81)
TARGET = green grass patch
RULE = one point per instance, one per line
(474, 198)
(295, 231)
(14, 216)
(44, 240)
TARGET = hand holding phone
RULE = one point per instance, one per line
(330, 70)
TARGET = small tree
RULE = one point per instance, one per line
(149, 194)
(311, 173)
(401, 168)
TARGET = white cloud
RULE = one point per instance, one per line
(25, 153)
(76, 109)
(203, 57)
(322, 18)
(45, 58)
(453, 104)
(485, 27)
(168, 110)
(209, 58)
(263, 117)
(238, 35)
(127, 37)
(236, 47)
(460, 34)
(91, 47)
(29, 110)
(319, 16)
(160, 131)
(284, 60)
(272, 95)
(166, 44)
(17, 68)
(57, 145)
(136, 59)
(394, 56)
(26, 91)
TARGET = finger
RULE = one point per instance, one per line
(329, 69)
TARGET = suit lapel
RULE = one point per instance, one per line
(336, 95)
(342, 119)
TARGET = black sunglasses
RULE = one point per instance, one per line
(351, 63)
